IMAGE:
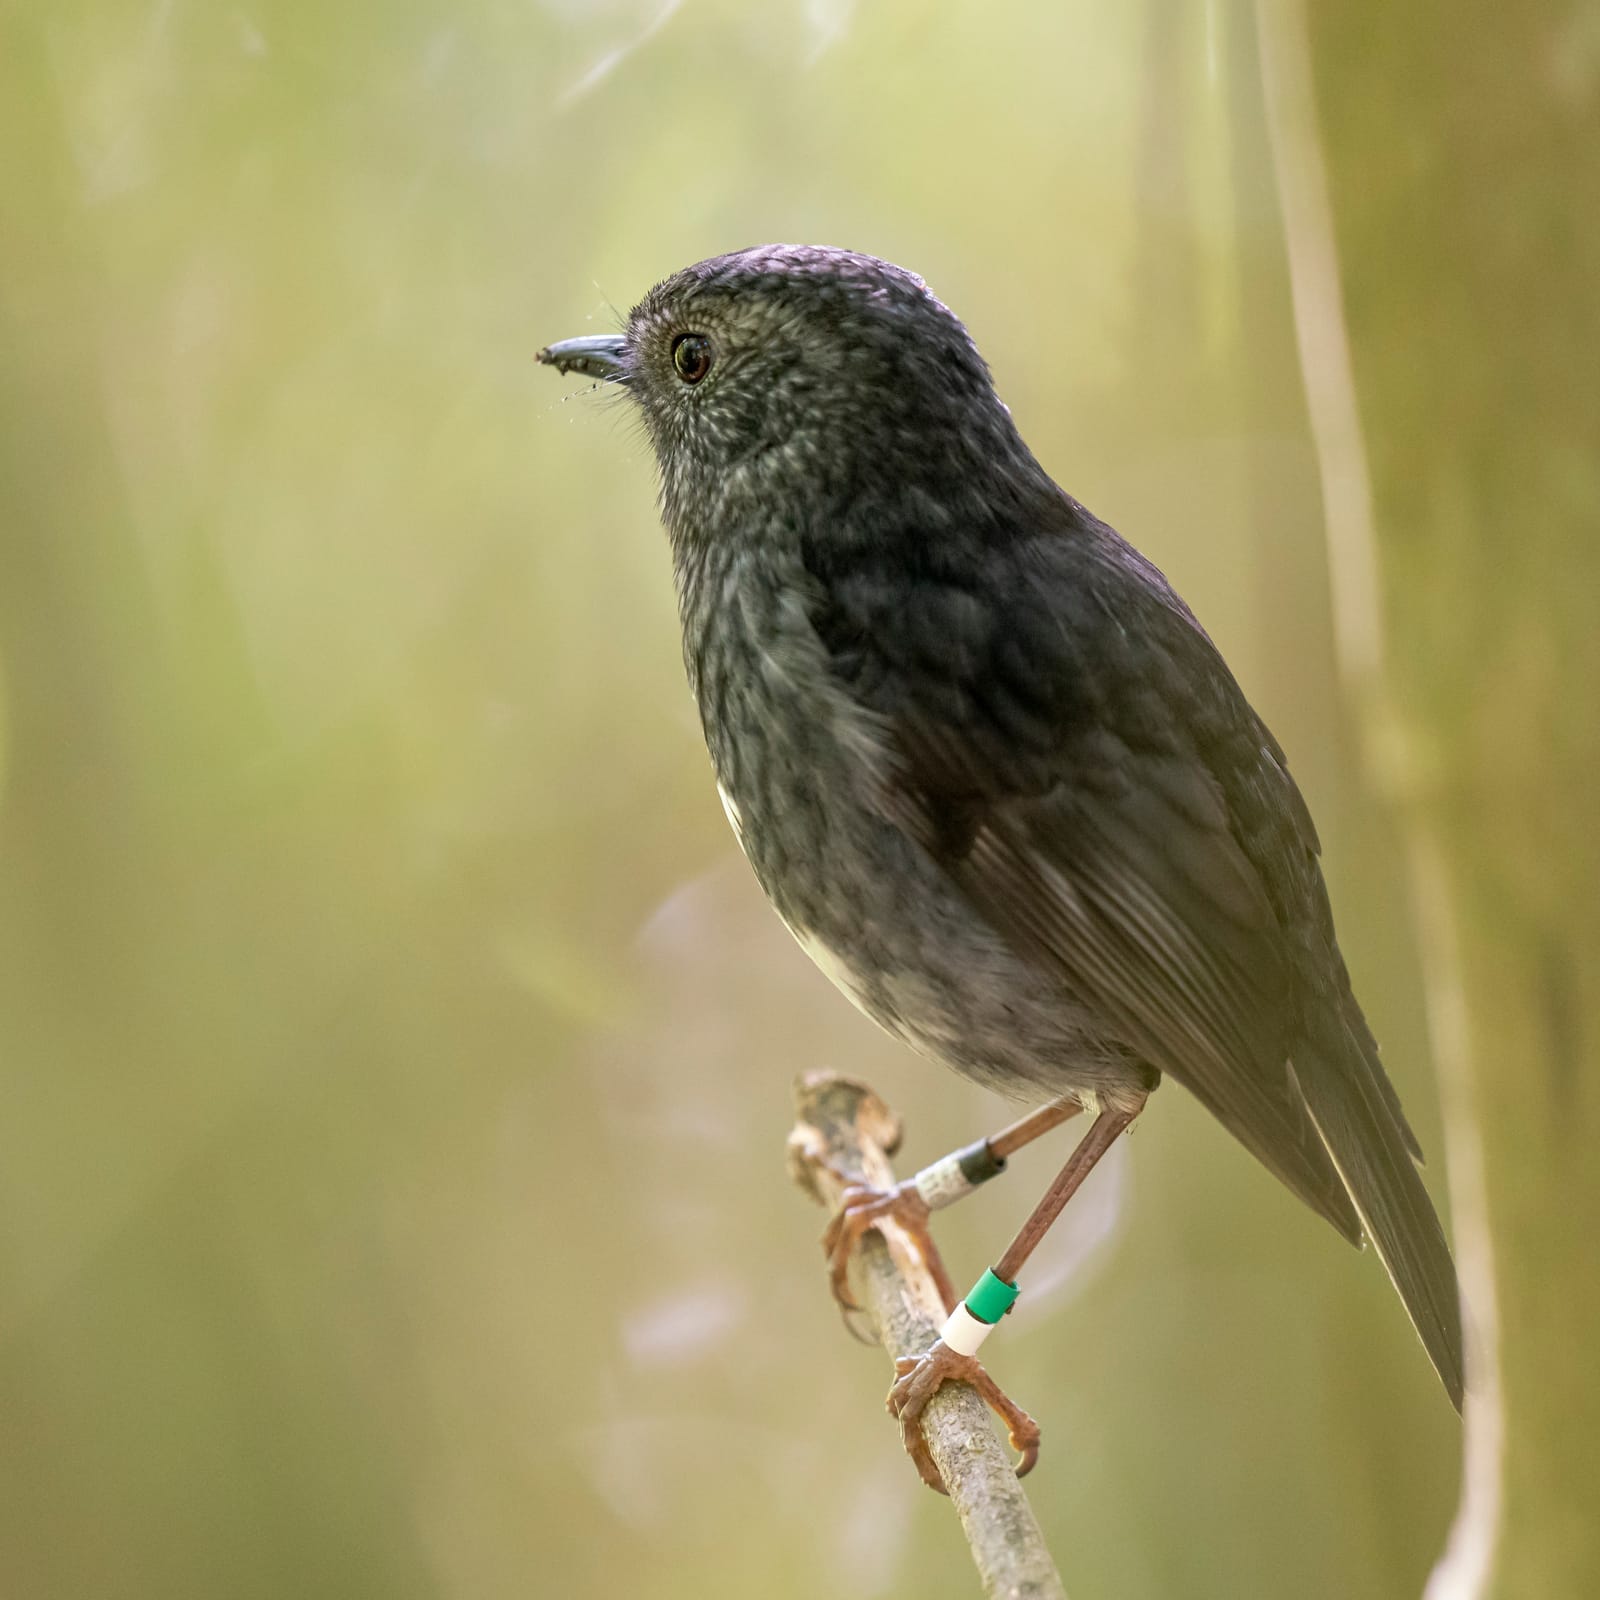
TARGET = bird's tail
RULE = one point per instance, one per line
(1366, 1139)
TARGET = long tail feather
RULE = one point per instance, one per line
(1370, 1150)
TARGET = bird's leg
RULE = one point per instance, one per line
(911, 1203)
(953, 1355)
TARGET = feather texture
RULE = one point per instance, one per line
(1071, 748)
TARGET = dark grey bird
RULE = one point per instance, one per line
(989, 768)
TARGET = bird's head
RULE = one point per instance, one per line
(794, 387)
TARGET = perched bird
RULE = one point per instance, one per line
(991, 771)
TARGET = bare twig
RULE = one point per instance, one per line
(841, 1126)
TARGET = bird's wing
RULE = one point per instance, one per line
(1063, 744)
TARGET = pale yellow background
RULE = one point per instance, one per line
(395, 1051)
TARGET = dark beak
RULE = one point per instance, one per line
(596, 355)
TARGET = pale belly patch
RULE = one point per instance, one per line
(833, 967)
(929, 972)
(730, 809)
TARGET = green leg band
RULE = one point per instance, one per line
(991, 1298)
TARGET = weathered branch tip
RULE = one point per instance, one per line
(844, 1132)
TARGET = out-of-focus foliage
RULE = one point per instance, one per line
(395, 1054)
(1462, 155)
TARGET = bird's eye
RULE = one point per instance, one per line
(691, 355)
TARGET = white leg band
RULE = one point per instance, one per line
(943, 1183)
(963, 1333)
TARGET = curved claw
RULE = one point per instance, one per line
(909, 1416)
(862, 1207)
(919, 1378)
(849, 1316)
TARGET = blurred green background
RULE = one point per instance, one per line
(395, 1051)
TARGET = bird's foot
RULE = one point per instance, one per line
(920, 1378)
(862, 1207)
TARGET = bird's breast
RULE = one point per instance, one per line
(799, 765)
